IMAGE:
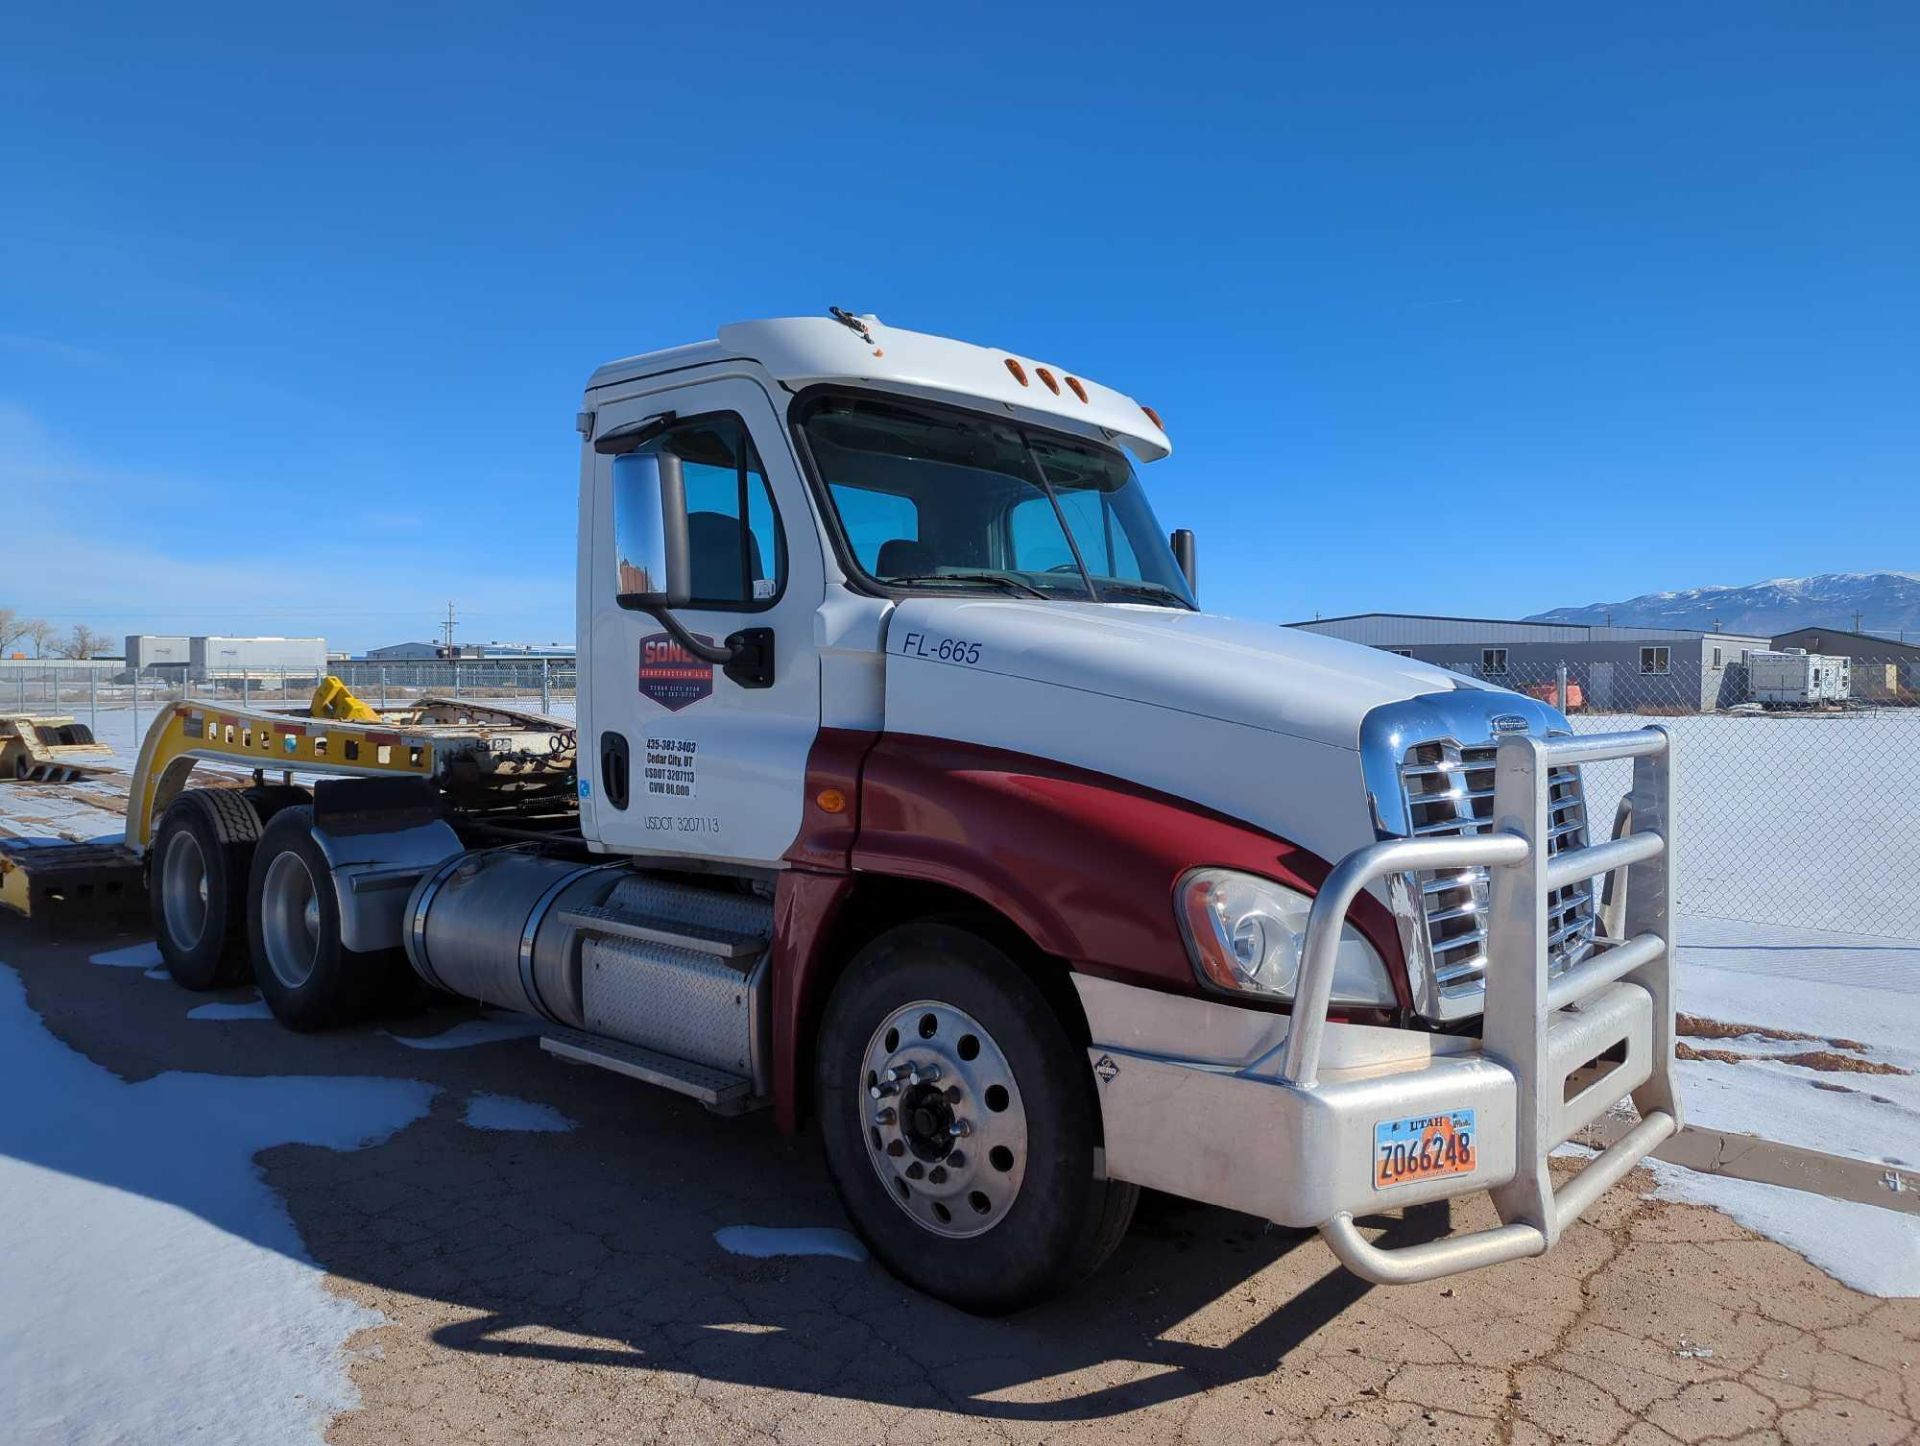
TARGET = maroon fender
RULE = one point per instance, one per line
(1085, 864)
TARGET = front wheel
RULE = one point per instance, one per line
(960, 1124)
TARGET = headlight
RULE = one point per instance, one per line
(1246, 934)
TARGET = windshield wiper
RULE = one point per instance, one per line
(1143, 588)
(1004, 580)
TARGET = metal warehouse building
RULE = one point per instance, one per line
(1654, 669)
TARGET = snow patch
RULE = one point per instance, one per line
(1872, 1250)
(249, 1009)
(469, 1033)
(134, 956)
(156, 1289)
(763, 1242)
(504, 1112)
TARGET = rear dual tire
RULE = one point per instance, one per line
(197, 886)
(307, 975)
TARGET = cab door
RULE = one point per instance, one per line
(676, 757)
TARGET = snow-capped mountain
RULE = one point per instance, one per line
(1886, 602)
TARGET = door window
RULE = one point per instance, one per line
(735, 553)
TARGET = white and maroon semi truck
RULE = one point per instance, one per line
(916, 799)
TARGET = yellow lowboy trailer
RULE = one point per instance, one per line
(496, 768)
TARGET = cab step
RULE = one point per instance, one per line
(723, 1093)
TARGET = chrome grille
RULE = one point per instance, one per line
(1449, 791)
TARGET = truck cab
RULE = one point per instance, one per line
(919, 801)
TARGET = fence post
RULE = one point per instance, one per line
(1563, 687)
(93, 701)
(546, 699)
(456, 677)
(383, 686)
(246, 690)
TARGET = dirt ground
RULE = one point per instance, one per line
(567, 1288)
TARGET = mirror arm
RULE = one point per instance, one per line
(746, 657)
(677, 630)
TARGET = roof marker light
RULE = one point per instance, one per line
(1153, 416)
(1073, 385)
(1019, 372)
(1047, 377)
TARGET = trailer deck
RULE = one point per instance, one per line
(485, 759)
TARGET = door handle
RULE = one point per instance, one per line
(613, 769)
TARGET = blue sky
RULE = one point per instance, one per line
(1447, 308)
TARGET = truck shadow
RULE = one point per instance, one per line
(1043, 1365)
(595, 1248)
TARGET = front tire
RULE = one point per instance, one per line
(309, 979)
(971, 1174)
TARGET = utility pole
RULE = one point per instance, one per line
(1857, 615)
(447, 627)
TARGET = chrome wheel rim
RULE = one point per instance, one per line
(183, 890)
(290, 920)
(944, 1124)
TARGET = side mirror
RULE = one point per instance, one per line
(650, 532)
(1183, 553)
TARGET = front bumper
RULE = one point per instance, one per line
(1276, 1115)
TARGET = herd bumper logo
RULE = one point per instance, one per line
(670, 675)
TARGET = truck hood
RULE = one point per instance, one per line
(1260, 675)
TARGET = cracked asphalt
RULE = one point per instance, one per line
(567, 1288)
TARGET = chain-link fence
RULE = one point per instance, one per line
(1798, 792)
(62, 685)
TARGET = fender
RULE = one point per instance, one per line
(1083, 863)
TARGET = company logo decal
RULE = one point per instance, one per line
(1510, 723)
(1106, 1068)
(670, 675)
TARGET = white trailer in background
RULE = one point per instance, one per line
(258, 658)
(1795, 678)
(146, 651)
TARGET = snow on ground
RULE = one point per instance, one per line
(255, 1008)
(504, 1112)
(762, 1242)
(152, 1286)
(1870, 1249)
(471, 1032)
(134, 956)
(1858, 999)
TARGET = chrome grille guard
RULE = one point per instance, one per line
(1525, 996)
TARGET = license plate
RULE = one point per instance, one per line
(1423, 1147)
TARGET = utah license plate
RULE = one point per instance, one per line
(1423, 1147)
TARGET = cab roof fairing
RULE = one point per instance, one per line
(801, 351)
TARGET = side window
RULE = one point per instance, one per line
(872, 519)
(1655, 661)
(1038, 545)
(735, 552)
(1493, 661)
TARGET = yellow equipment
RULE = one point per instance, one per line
(334, 699)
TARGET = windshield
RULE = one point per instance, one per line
(944, 500)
